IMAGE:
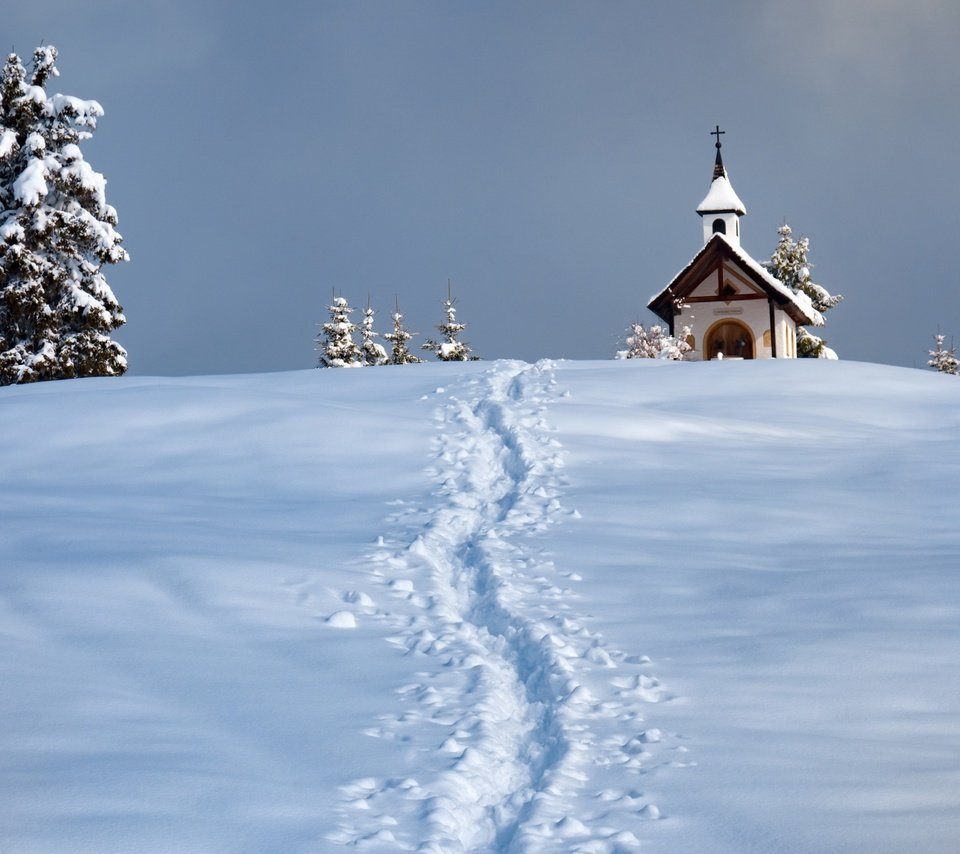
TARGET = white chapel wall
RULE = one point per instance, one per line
(730, 220)
(755, 314)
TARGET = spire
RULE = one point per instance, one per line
(721, 209)
(718, 170)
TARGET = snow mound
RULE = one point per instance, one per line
(342, 620)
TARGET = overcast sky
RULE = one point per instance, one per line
(547, 157)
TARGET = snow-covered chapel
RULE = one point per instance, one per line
(734, 307)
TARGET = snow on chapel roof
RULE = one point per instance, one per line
(796, 304)
(798, 298)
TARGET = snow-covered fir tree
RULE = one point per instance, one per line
(335, 342)
(372, 352)
(943, 359)
(450, 348)
(400, 354)
(790, 264)
(654, 343)
(56, 232)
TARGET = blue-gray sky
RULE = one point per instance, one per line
(546, 157)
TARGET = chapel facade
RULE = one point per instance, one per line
(734, 307)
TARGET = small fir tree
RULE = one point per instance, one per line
(810, 346)
(372, 352)
(56, 233)
(790, 264)
(335, 343)
(450, 348)
(943, 359)
(655, 343)
(399, 338)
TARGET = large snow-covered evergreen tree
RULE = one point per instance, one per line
(56, 232)
(400, 353)
(790, 264)
(450, 348)
(372, 352)
(335, 342)
(943, 359)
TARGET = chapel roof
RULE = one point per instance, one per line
(716, 251)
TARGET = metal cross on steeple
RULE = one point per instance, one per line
(718, 170)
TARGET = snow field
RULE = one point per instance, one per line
(486, 607)
(781, 540)
(171, 555)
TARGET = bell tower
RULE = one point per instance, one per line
(721, 209)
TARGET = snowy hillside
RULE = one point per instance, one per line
(572, 606)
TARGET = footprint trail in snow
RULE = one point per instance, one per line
(526, 732)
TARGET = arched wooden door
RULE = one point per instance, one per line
(731, 338)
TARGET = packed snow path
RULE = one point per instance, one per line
(521, 707)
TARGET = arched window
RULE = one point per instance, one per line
(719, 226)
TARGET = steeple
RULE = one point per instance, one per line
(718, 170)
(721, 209)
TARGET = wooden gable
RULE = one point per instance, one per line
(726, 283)
(718, 273)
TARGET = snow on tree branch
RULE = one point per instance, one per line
(335, 342)
(56, 233)
(791, 265)
(450, 348)
(400, 338)
(943, 359)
